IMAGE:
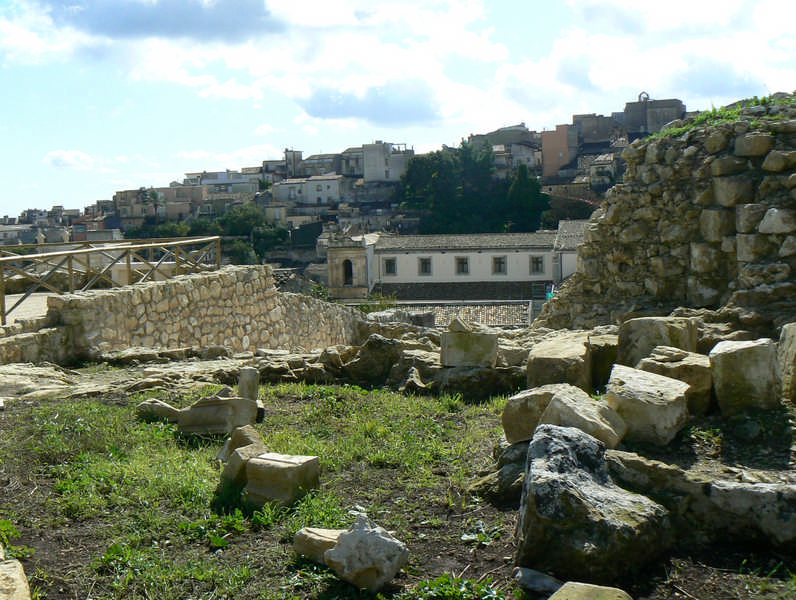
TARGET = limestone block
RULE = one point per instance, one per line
(235, 467)
(705, 258)
(716, 141)
(13, 583)
(467, 349)
(777, 161)
(572, 407)
(249, 383)
(637, 337)
(732, 190)
(788, 247)
(690, 367)
(280, 478)
(786, 356)
(562, 359)
(744, 375)
(778, 220)
(522, 411)
(313, 542)
(715, 223)
(751, 247)
(753, 144)
(727, 165)
(574, 521)
(156, 409)
(366, 555)
(215, 415)
(573, 590)
(654, 407)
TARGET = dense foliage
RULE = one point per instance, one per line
(456, 191)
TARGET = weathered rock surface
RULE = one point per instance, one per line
(786, 355)
(249, 383)
(373, 360)
(744, 375)
(572, 407)
(654, 407)
(13, 583)
(575, 522)
(689, 367)
(760, 512)
(468, 349)
(536, 582)
(280, 478)
(637, 337)
(313, 542)
(573, 590)
(522, 411)
(562, 358)
(366, 555)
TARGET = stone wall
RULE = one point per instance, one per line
(706, 217)
(237, 307)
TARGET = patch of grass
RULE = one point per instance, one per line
(448, 587)
(7, 533)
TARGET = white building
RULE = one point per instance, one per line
(508, 266)
(384, 161)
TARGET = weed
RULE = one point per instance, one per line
(7, 533)
(448, 587)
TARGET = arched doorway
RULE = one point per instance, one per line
(348, 273)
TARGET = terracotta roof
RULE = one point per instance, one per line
(473, 241)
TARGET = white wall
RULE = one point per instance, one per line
(443, 266)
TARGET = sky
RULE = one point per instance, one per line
(98, 96)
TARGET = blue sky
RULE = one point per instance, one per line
(100, 95)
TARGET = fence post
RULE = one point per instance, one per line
(129, 267)
(218, 253)
(71, 274)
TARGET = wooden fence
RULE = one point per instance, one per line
(62, 268)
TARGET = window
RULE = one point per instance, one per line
(318, 187)
(498, 265)
(462, 265)
(424, 266)
(537, 265)
(390, 266)
(348, 273)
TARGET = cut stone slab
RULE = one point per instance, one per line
(575, 522)
(249, 383)
(572, 407)
(561, 359)
(280, 478)
(313, 542)
(13, 583)
(690, 367)
(573, 590)
(745, 375)
(786, 355)
(637, 337)
(157, 409)
(216, 415)
(654, 407)
(366, 555)
(523, 410)
(468, 349)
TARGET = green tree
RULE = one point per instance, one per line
(525, 202)
(242, 219)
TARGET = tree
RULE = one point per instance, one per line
(525, 202)
(242, 219)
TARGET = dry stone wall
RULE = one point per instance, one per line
(706, 217)
(237, 307)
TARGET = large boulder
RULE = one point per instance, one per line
(654, 407)
(575, 522)
(572, 407)
(574, 590)
(561, 359)
(476, 383)
(745, 375)
(523, 410)
(366, 555)
(786, 356)
(637, 337)
(690, 367)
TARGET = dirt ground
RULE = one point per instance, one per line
(436, 519)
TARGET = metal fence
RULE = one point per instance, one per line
(62, 268)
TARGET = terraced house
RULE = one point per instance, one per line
(487, 266)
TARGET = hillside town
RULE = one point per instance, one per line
(355, 187)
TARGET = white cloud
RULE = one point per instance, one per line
(249, 156)
(69, 159)
(264, 129)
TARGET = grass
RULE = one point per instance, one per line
(146, 494)
(715, 116)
